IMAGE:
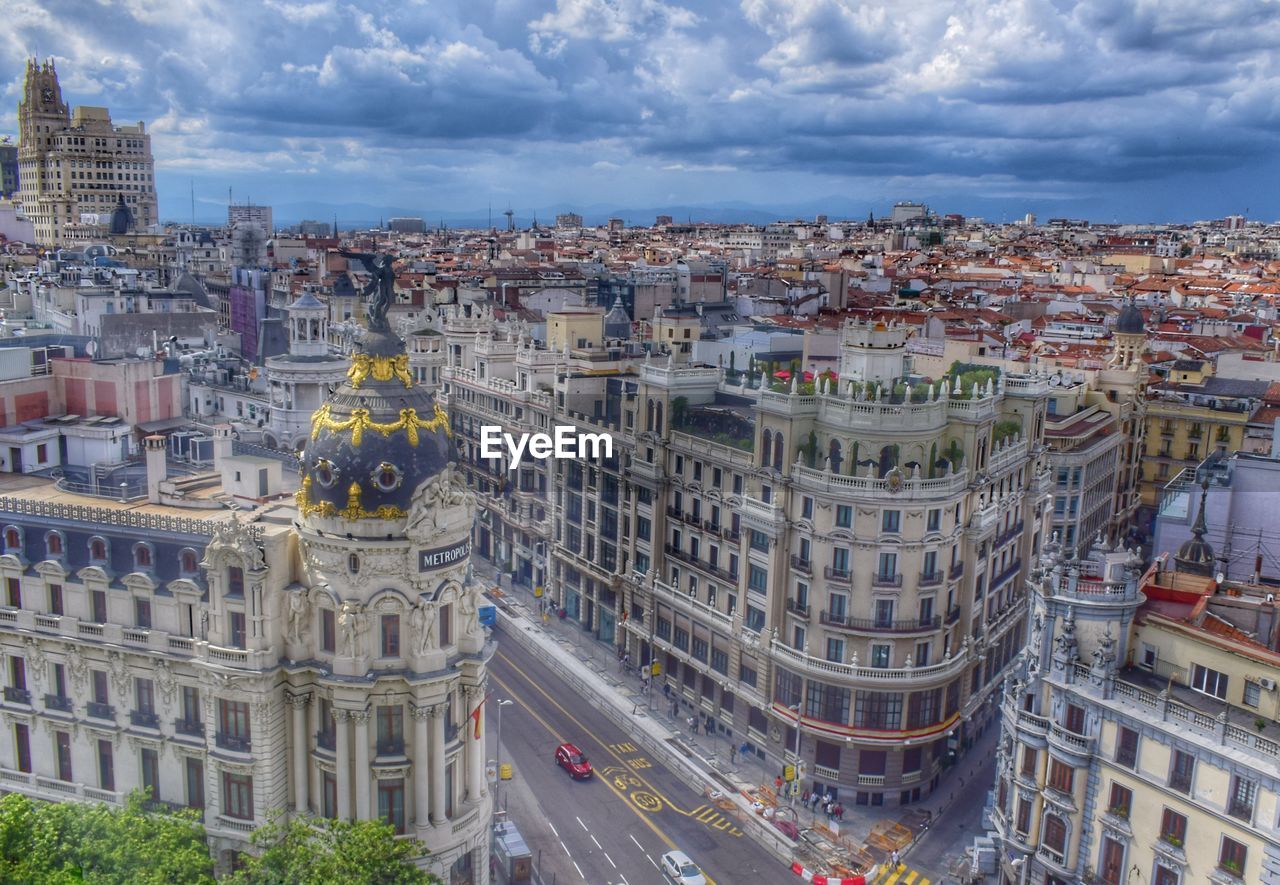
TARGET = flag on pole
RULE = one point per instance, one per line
(475, 714)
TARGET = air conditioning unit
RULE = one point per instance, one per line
(1267, 682)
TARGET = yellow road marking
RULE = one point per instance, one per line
(626, 800)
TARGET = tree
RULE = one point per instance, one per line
(318, 851)
(74, 842)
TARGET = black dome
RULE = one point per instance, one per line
(121, 217)
(375, 439)
(1131, 321)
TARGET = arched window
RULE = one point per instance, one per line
(353, 563)
(766, 448)
(779, 451)
(53, 543)
(142, 556)
(188, 562)
(12, 540)
(97, 550)
(835, 455)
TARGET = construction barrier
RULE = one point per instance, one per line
(818, 879)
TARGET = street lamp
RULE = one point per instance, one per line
(1023, 867)
(497, 787)
(796, 769)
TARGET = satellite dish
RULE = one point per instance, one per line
(1219, 577)
(92, 347)
(1055, 380)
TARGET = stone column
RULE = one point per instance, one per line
(301, 776)
(421, 766)
(436, 754)
(475, 746)
(342, 762)
(360, 719)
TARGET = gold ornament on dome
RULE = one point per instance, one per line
(359, 422)
(353, 510)
(382, 368)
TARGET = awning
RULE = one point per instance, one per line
(163, 424)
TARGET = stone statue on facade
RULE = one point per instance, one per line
(297, 615)
(380, 290)
(440, 505)
(351, 623)
(423, 621)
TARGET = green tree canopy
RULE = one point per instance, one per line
(66, 842)
(319, 852)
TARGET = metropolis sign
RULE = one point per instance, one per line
(443, 557)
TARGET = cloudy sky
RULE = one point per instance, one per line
(1108, 109)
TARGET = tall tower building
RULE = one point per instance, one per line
(75, 167)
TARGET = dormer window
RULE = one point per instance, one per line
(97, 550)
(188, 562)
(142, 558)
(353, 563)
(12, 540)
(235, 581)
(53, 543)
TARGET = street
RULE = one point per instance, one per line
(614, 827)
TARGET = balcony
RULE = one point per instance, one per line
(144, 719)
(838, 575)
(101, 711)
(713, 527)
(391, 747)
(675, 512)
(797, 607)
(953, 614)
(878, 580)
(956, 571)
(17, 695)
(1241, 810)
(881, 625)
(326, 740)
(234, 742)
(930, 579)
(189, 727)
(1078, 745)
(803, 566)
(58, 702)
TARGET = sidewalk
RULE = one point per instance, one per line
(581, 659)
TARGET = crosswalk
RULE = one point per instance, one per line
(903, 875)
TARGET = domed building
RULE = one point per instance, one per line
(302, 378)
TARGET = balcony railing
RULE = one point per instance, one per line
(953, 614)
(17, 695)
(144, 719)
(189, 727)
(956, 570)
(713, 527)
(101, 711)
(929, 579)
(391, 747)
(794, 605)
(801, 565)
(879, 580)
(234, 742)
(882, 625)
(1241, 810)
(842, 576)
(58, 702)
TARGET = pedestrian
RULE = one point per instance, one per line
(839, 811)
(693, 725)
(777, 784)
(804, 798)
(733, 754)
(709, 726)
(894, 859)
(814, 800)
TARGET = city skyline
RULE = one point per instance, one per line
(993, 110)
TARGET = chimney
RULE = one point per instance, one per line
(157, 468)
(221, 445)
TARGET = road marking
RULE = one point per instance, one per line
(608, 858)
(598, 845)
(581, 824)
(553, 829)
(638, 845)
(905, 876)
(566, 848)
(655, 864)
(579, 869)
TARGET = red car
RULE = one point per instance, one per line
(570, 758)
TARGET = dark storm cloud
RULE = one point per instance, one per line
(464, 100)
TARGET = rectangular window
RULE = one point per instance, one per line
(880, 655)
(1243, 793)
(1121, 800)
(62, 744)
(237, 795)
(835, 650)
(1023, 824)
(236, 637)
(888, 566)
(1029, 756)
(390, 636)
(1074, 719)
(22, 747)
(1127, 747)
(446, 625)
(844, 516)
(1055, 834)
(327, 633)
(757, 579)
(747, 675)
(99, 681)
(1252, 694)
(328, 795)
(144, 695)
(191, 712)
(1211, 682)
(806, 508)
(1111, 870)
(390, 730)
(194, 774)
(106, 767)
(149, 763)
(391, 803)
(1181, 772)
(891, 521)
(55, 599)
(719, 661)
(1173, 827)
(1232, 856)
(878, 709)
(235, 581)
(934, 522)
(759, 541)
(98, 602)
(1061, 776)
(14, 589)
(233, 722)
